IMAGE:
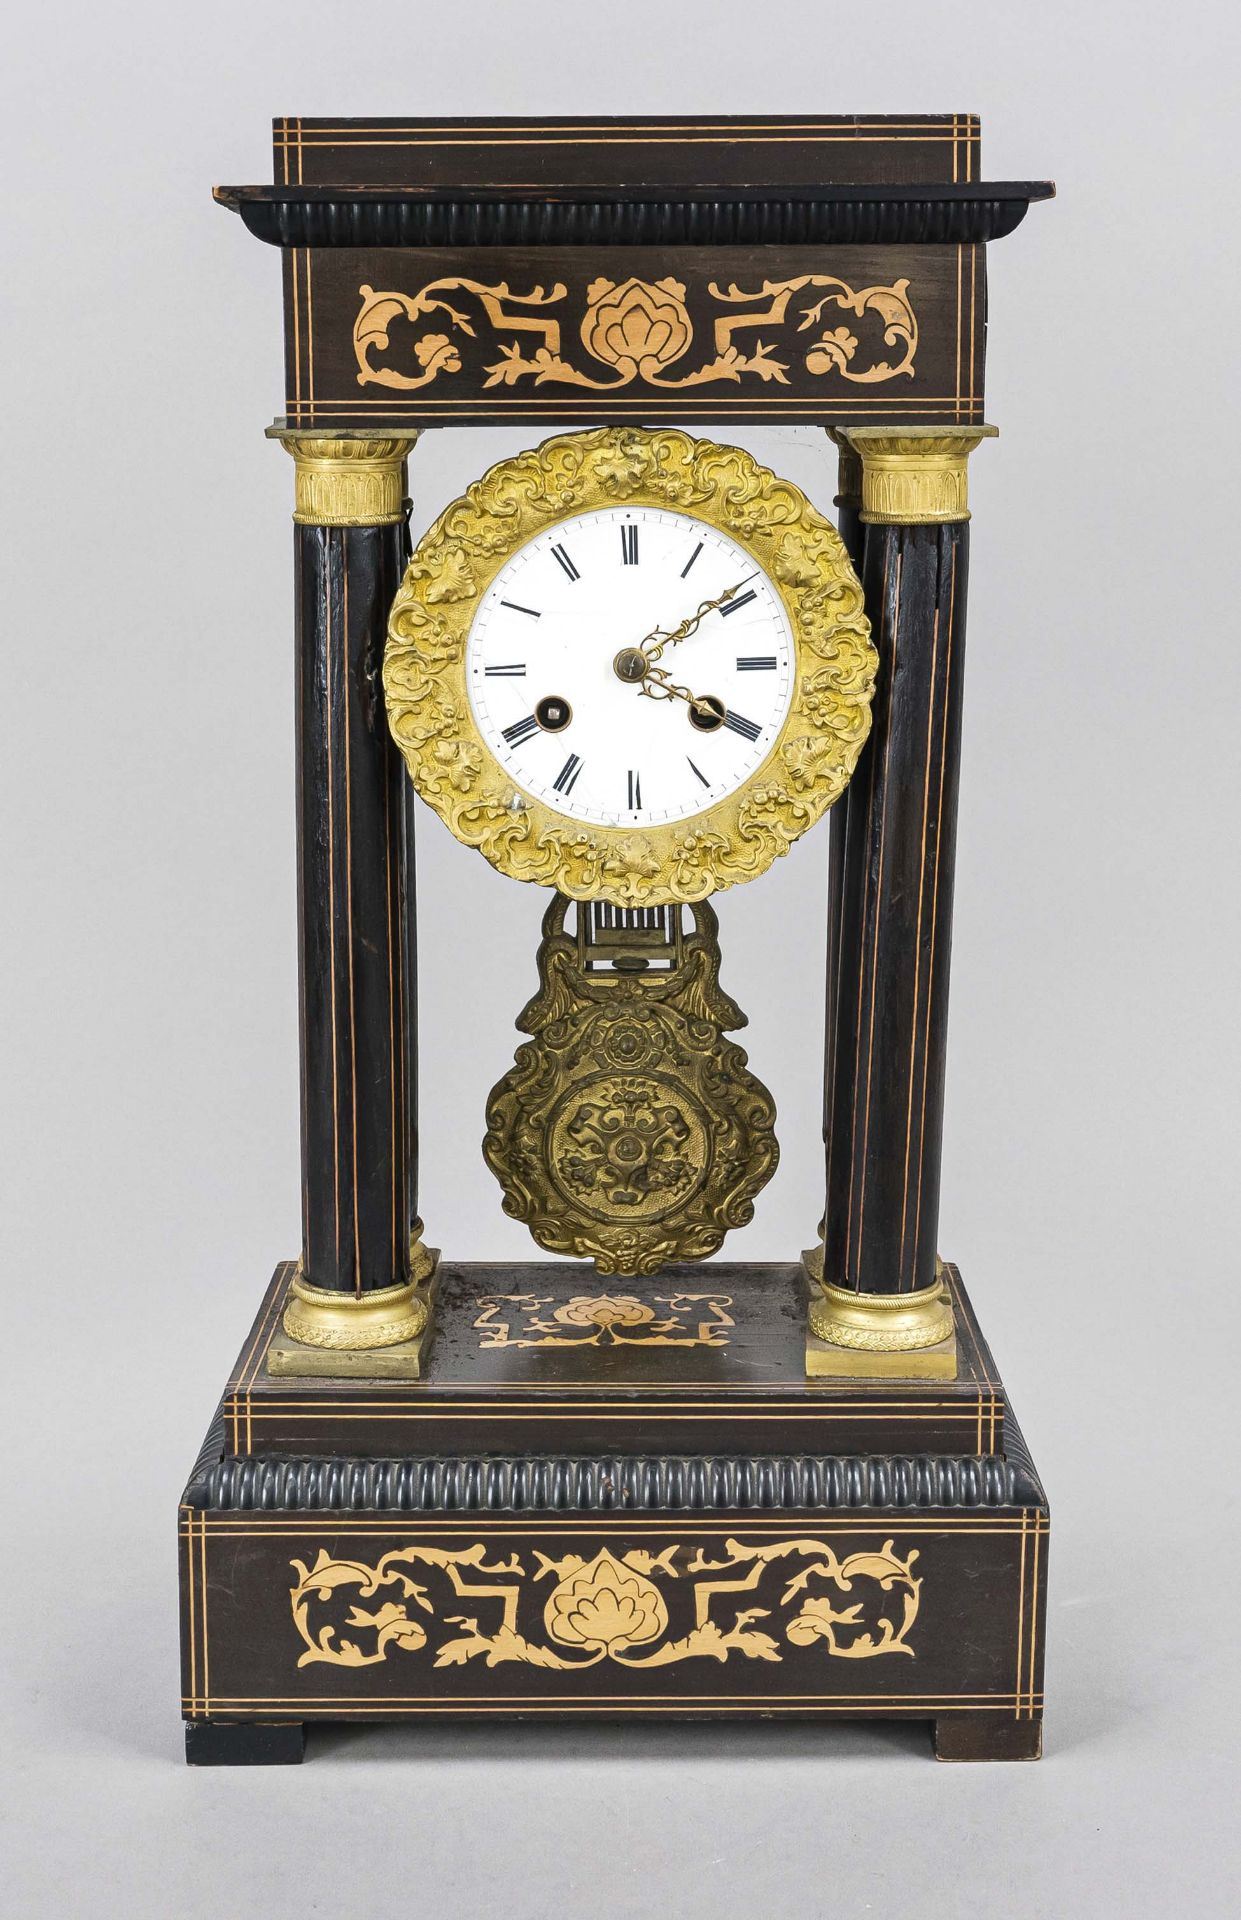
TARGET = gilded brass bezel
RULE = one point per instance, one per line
(735, 840)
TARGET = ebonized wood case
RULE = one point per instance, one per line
(456, 271)
(649, 1509)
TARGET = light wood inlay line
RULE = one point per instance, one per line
(973, 319)
(911, 1278)
(876, 744)
(330, 784)
(206, 1693)
(721, 406)
(1033, 1621)
(346, 676)
(295, 269)
(189, 1588)
(406, 1529)
(873, 963)
(960, 319)
(933, 128)
(1021, 1602)
(389, 881)
(310, 332)
(945, 139)
(949, 663)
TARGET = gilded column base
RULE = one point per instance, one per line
(382, 1336)
(878, 1335)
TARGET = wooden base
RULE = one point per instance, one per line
(699, 1359)
(522, 1575)
(988, 1736)
(252, 1743)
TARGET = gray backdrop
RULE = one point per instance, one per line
(150, 1153)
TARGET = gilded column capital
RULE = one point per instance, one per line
(347, 480)
(914, 476)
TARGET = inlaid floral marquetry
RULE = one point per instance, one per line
(604, 1320)
(641, 333)
(633, 1607)
(637, 330)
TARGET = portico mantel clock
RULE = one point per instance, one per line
(631, 666)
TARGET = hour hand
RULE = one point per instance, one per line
(705, 709)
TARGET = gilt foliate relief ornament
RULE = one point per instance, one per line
(630, 1130)
(631, 665)
(640, 330)
(634, 1608)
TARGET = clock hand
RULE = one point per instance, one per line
(658, 684)
(655, 642)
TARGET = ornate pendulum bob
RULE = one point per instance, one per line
(630, 1130)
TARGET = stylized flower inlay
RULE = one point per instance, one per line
(833, 351)
(636, 327)
(437, 354)
(607, 1310)
(606, 1607)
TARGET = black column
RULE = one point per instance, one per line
(356, 980)
(849, 524)
(895, 921)
(409, 909)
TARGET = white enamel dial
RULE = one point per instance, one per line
(573, 733)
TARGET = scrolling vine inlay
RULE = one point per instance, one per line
(606, 1320)
(641, 330)
(612, 1606)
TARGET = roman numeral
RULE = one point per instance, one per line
(521, 730)
(748, 729)
(514, 670)
(515, 607)
(756, 663)
(689, 563)
(698, 770)
(566, 779)
(635, 791)
(564, 561)
(629, 546)
(742, 600)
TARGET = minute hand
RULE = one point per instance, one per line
(655, 642)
